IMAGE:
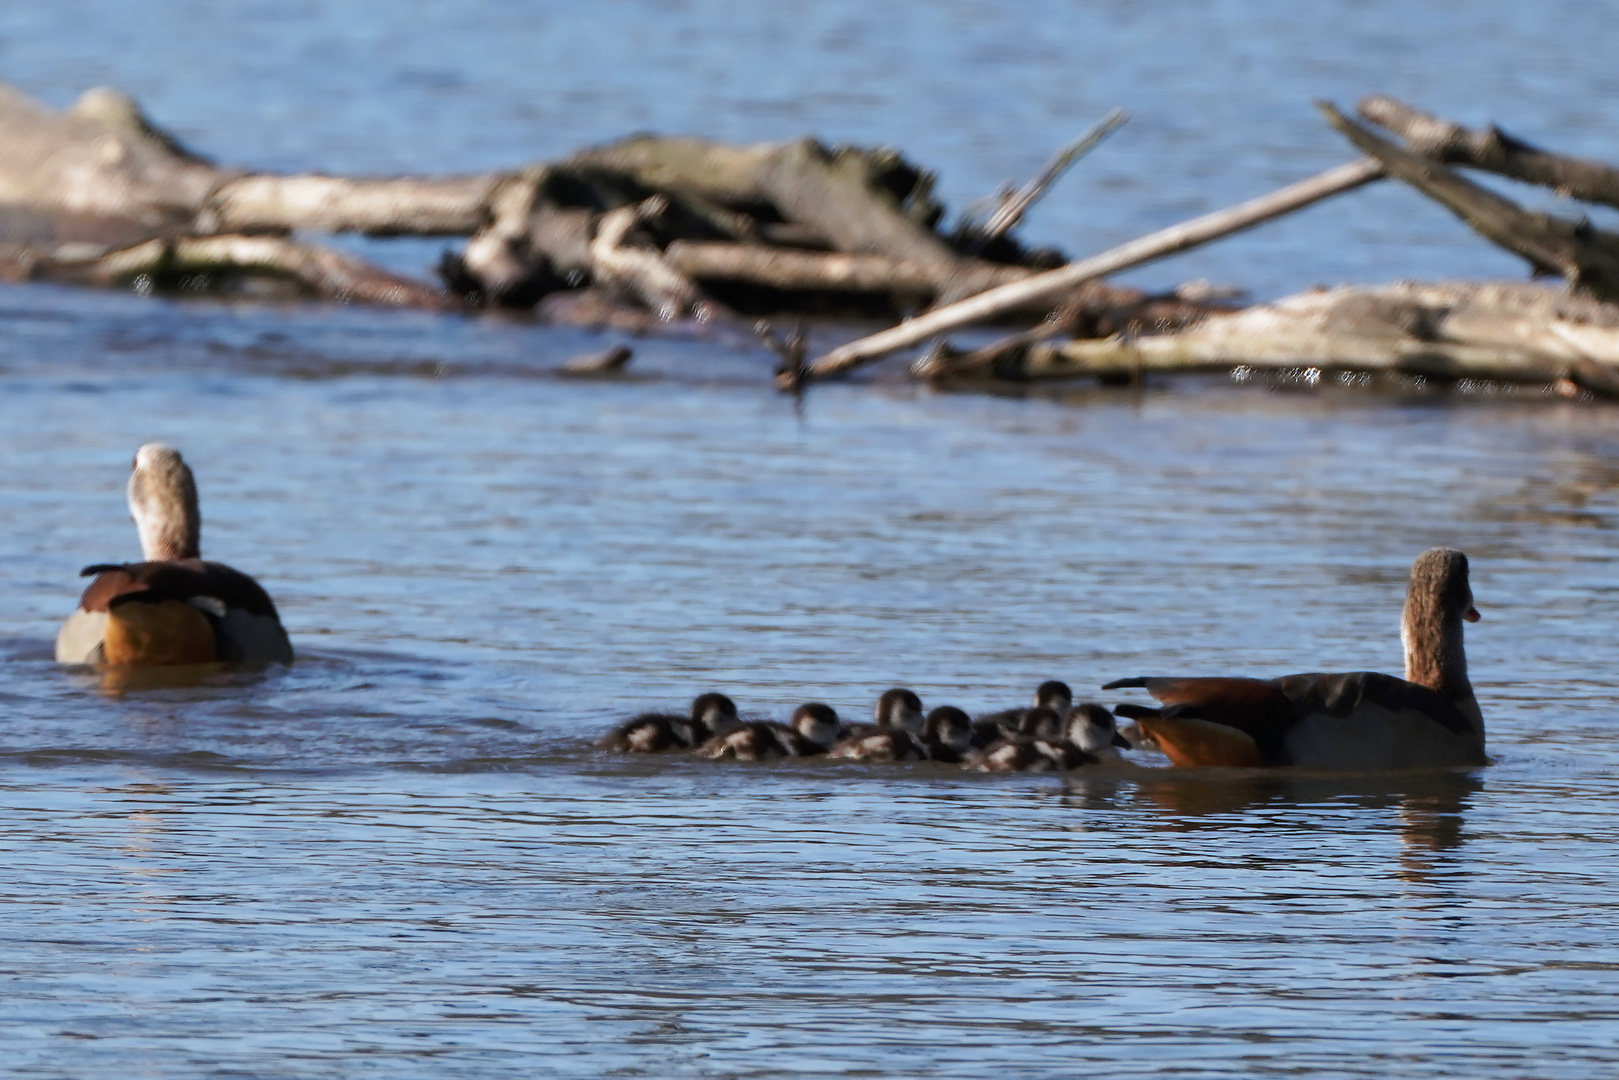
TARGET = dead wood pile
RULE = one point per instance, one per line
(650, 230)
(1444, 333)
(668, 227)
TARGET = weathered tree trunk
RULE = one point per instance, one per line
(85, 194)
(1493, 150)
(1587, 257)
(638, 270)
(1498, 331)
(388, 206)
(815, 271)
(1053, 283)
(1095, 309)
(313, 269)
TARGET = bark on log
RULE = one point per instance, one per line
(1504, 332)
(1046, 286)
(810, 271)
(641, 272)
(1586, 257)
(1493, 150)
(382, 206)
(99, 180)
(91, 175)
(318, 271)
(1095, 309)
(838, 195)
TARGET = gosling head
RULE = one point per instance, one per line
(817, 722)
(899, 708)
(1055, 696)
(163, 502)
(715, 714)
(1092, 728)
(949, 726)
(1040, 722)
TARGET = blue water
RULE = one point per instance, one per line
(403, 857)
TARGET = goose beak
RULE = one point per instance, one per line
(1121, 742)
(1471, 614)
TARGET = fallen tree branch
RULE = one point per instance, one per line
(319, 271)
(785, 269)
(1505, 332)
(1586, 257)
(1046, 286)
(1009, 213)
(838, 194)
(638, 270)
(1094, 309)
(382, 206)
(1493, 150)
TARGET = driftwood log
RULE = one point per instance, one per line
(1587, 257)
(1444, 333)
(1047, 287)
(648, 231)
(99, 195)
(1501, 332)
(1493, 150)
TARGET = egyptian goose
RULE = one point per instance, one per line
(1356, 720)
(895, 736)
(1050, 695)
(652, 733)
(171, 608)
(814, 727)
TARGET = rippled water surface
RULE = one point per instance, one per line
(403, 857)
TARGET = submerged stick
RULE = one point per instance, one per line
(1176, 238)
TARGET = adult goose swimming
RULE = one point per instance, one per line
(1358, 720)
(172, 607)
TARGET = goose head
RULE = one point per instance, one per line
(1437, 601)
(900, 709)
(817, 722)
(163, 503)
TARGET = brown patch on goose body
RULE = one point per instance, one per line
(152, 634)
(1202, 743)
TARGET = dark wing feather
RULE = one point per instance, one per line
(1255, 707)
(1340, 694)
(179, 579)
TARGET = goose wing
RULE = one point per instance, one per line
(1212, 720)
(1342, 694)
(185, 580)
